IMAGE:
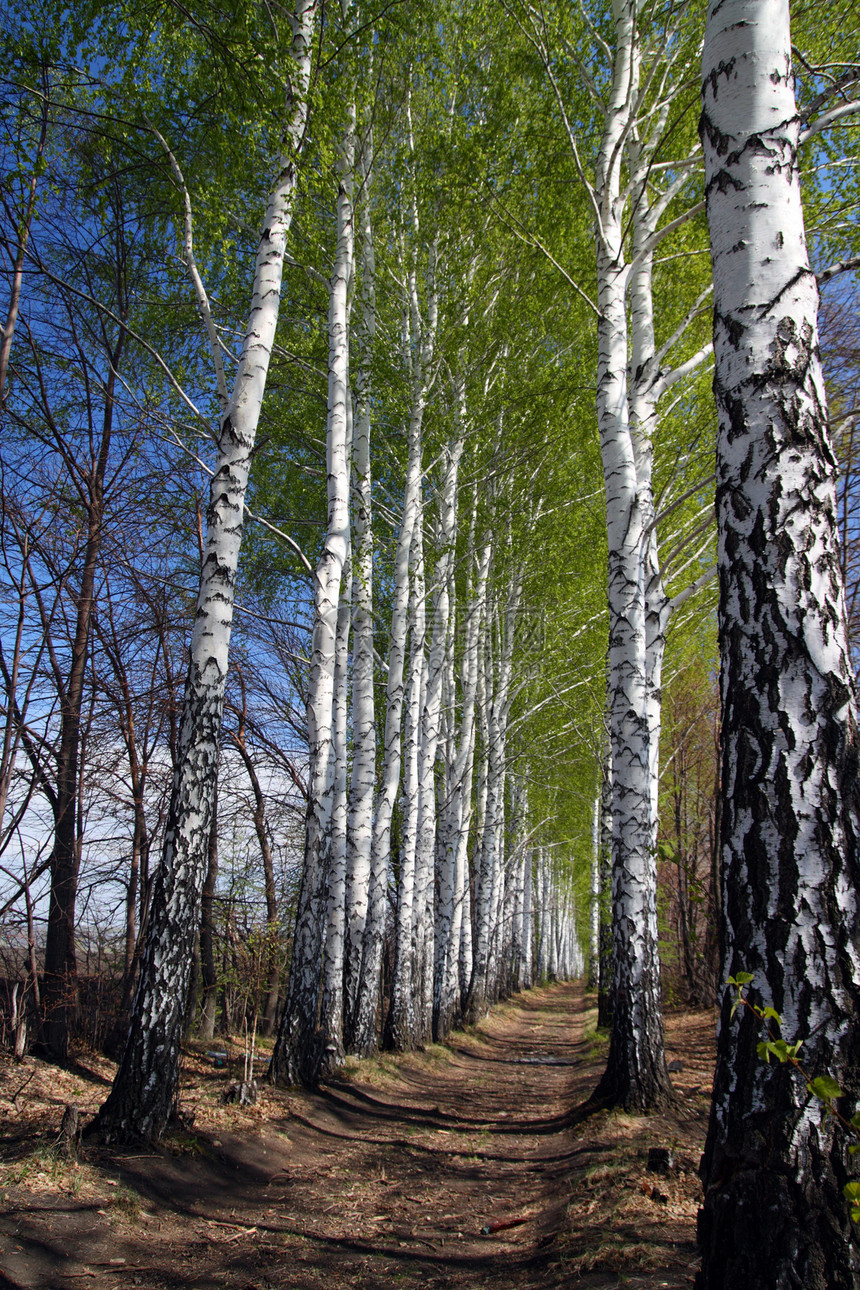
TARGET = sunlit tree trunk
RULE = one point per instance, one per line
(423, 331)
(362, 783)
(401, 1019)
(426, 912)
(140, 1102)
(528, 921)
(775, 1161)
(332, 1003)
(453, 943)
(489, 878)
(208, 970)
(594, 908)
(518, 863)
(635, 1076)
(302, 1048)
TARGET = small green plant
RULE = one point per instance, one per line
(823, 1087)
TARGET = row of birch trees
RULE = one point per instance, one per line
(436, 876)
(469, 361)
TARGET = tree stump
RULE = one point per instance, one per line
(68, 1144)
(241, 1093)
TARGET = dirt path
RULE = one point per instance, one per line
(466, 1166)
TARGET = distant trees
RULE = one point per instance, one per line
(431, 900)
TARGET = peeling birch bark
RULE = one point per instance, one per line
(427, 942)
(453, 970)
(775, 1163)
(401, 1019)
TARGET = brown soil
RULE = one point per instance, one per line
(467, 1166)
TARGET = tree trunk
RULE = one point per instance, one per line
(366, 1036)
(208, 971)
(140, 1103)
(362, 784)
(60, 992)
(594, 907)
(332, 1002)
(604, 984)
(775, 1161)
(453, 942)
(300, 1049)
(635, 1076)
(401, 1019)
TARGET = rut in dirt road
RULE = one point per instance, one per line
(452, 1175)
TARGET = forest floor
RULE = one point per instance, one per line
(469, 1165)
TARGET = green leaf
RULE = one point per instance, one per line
(741, 978)
(825, 1088)
(779, 1049)
(763, 1050)
(771, 1014)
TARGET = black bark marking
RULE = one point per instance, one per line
(724, 69)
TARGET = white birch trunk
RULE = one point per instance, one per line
(516, 885)
(497, 903)
(528, 921)
(366, 1038)
(604, 993)
(775, 1160)
(332, 1005)
(635, 1076)
(424, 331)
(594, 951)
(541, 906)
(426, 922)
(490, 872)
(466, 959)
(482, 856)
(362, 785)
(141, 1099)
(553, 919)
(300, 1046)
(401, 1019)
(445, 874)
(454, 941)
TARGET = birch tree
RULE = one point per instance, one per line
(301, 1049)
(776, 1161)
(363, 777)
(629, 194)
(636, 1067)
(139, 1104)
